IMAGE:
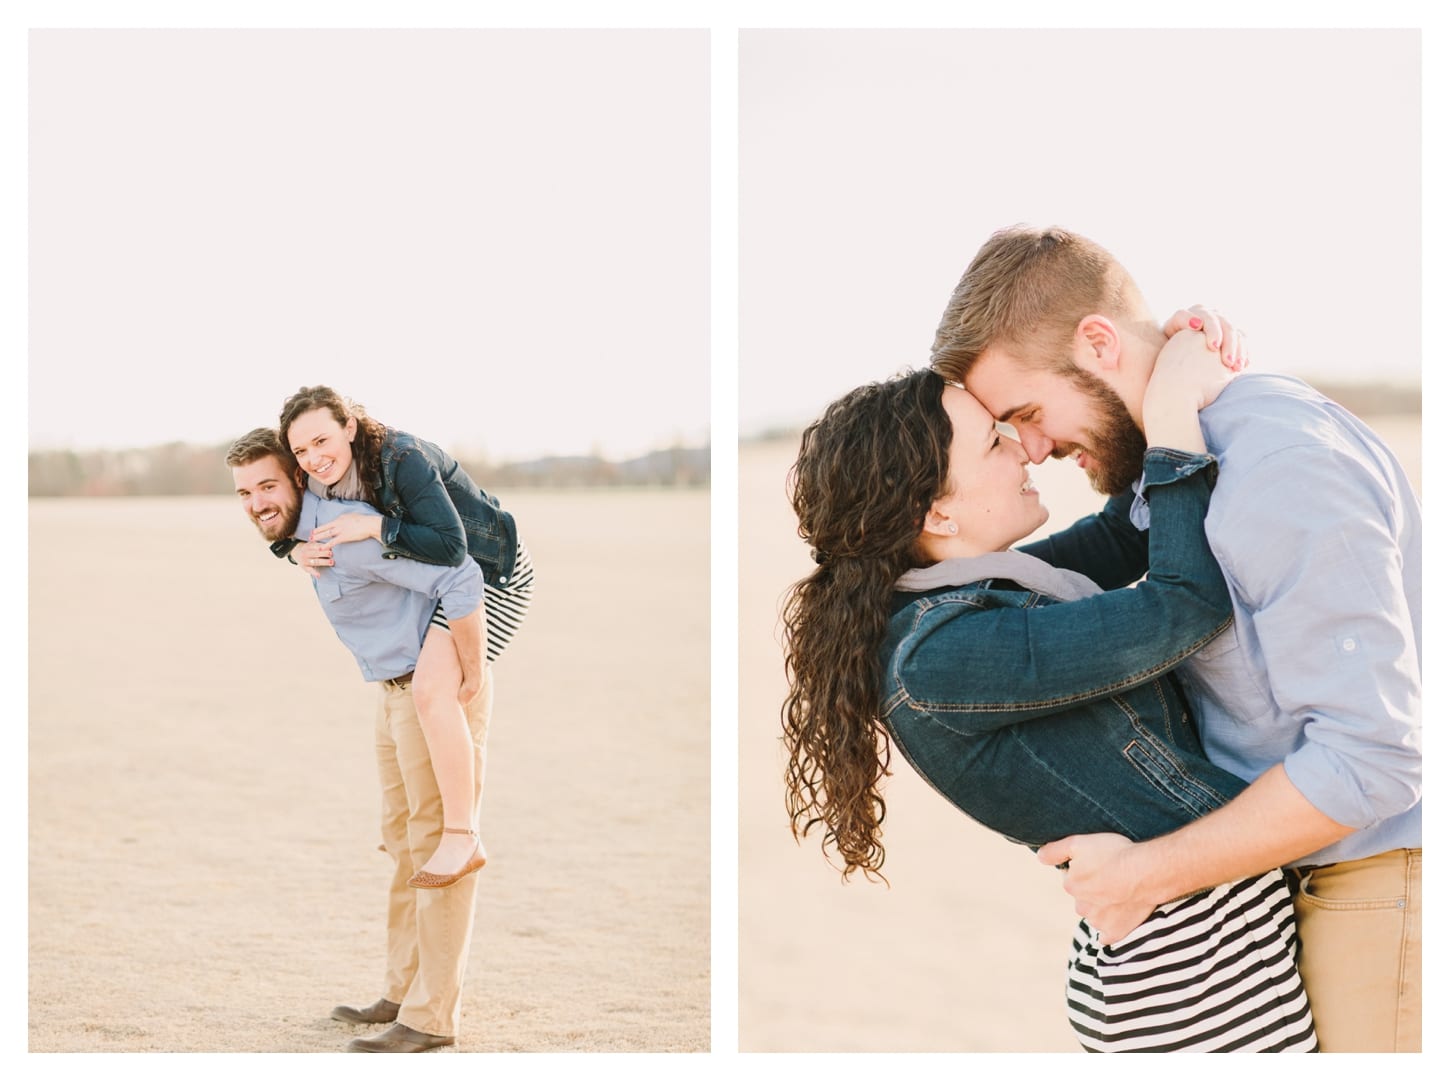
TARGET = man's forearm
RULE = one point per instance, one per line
(1267, 825)
(1117, 883)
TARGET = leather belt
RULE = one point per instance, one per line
(400, 681)
(1297, 875)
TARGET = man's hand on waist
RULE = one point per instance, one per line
(1101, 879)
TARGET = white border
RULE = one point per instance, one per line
(724, 20)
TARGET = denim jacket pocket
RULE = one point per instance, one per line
(1157, 764)
(481, 532)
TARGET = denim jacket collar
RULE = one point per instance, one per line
(1027, 571)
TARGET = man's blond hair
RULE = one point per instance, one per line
(257, 444)
(1026, 291)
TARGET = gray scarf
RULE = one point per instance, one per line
(1025, 570)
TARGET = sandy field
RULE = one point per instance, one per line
(200, 758)
(965, 950)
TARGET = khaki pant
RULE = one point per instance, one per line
(428, 930)
(1359, 934)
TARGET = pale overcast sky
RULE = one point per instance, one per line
(1272, 174)
(497, 239)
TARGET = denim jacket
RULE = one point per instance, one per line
(1041, 719)
(435, 513)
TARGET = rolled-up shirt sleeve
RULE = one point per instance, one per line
(1324, 589)
(459, 589)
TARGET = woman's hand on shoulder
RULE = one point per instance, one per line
(349, 527)
(1190, 370)
(312, 557)
(1219, 334)
(1188, 376)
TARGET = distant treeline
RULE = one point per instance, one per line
(188, 469)
(1361, 399)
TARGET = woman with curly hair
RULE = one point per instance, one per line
(1030, 688)
(432, 511)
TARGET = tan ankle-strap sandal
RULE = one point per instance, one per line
(427, 880)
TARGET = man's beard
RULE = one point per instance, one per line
(1117, 445)
(284, 525)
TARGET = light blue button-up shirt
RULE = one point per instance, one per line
(1318, 532)
(380, 607)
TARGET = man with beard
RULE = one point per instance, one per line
(1314, 693)
(380, 609)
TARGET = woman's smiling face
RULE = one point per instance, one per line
(992, 501)
(323, 446)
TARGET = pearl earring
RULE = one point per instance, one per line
(952, 528)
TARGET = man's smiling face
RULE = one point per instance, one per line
(269, 496)
(1059, 414)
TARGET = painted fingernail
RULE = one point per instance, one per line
(1213, 344)
(1196, 323)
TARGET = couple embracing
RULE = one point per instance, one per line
(1202, 703)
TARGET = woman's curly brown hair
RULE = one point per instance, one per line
(867, 473)
(367, 444)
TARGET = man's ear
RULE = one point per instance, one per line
(1096, 345)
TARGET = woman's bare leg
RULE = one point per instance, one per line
(436, 681)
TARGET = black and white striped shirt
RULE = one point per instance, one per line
(1213, 972)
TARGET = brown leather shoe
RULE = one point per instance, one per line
(399, 1038)
(379, 1013)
